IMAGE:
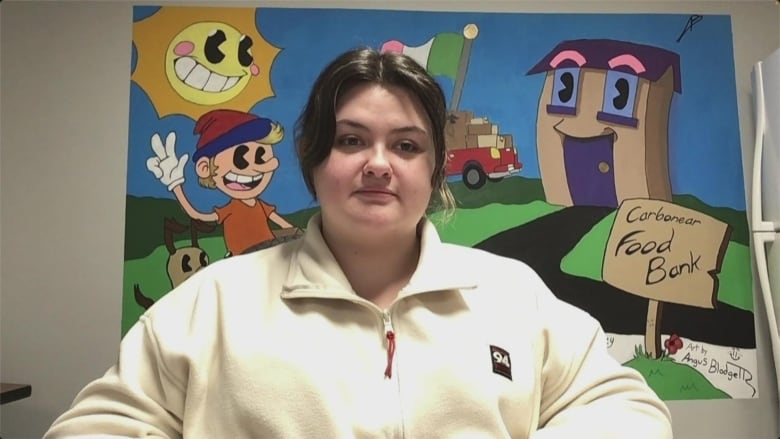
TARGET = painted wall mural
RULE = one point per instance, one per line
(601, 149)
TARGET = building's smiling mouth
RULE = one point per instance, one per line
(197, 76)
(237, 182)
(606, 132)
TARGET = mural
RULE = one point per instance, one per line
(601, 149)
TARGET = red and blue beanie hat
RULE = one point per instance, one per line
(222, 129)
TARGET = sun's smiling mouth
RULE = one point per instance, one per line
(199, 77)
(237, 182)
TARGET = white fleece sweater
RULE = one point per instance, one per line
(276, 344)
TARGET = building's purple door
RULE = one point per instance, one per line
(590, 170)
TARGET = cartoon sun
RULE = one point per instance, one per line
(193, 60)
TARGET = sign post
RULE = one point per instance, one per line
(665, 253)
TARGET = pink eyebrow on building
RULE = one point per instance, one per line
(627, 60)
(565, 55)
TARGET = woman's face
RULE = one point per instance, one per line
(377, 177)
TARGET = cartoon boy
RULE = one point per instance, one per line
(233, 155)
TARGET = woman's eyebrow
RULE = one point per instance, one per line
(404, 129)
(352, 124)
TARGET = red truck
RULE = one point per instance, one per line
(477, 152)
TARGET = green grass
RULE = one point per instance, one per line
(672, 380)
(513, 190)
(471, 226)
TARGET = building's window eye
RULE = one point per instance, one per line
(620, 92)
(565, 89)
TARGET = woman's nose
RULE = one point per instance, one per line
(377, 164)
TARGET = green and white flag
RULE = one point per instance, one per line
(440, 55)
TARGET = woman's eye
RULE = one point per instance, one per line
(408, 147)
(349, 141)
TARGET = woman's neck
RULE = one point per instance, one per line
(376, 269)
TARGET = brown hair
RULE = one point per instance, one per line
(315, 128)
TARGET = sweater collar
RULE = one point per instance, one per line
(314, 271)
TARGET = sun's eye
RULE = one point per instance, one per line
(211, 49)
(244, 53)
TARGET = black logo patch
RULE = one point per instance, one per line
(501, 363)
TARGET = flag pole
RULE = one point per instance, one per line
(470, 33)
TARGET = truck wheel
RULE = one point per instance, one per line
(473, 176)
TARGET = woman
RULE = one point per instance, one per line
(368, 326)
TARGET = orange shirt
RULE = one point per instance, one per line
(245, 226)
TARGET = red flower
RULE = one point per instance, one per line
(673, 344)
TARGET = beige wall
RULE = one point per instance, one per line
(64, 99)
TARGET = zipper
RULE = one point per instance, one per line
(398, 431)
(390, 336)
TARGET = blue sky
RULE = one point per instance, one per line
(704, 149)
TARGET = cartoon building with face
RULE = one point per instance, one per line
(603, 120)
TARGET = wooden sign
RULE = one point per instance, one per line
(666, 252)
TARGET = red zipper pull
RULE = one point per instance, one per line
(390, 336)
